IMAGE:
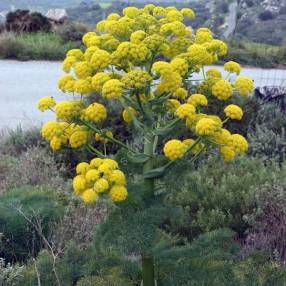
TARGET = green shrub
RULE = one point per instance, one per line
(259, 270)
(10, 275)
(34, 46)
(267, 134)
(43, 46)
(212, 198)
(113, 278)
(29, 275)
(20, 240)
(10, 47)
(73, 32)
(268, 219)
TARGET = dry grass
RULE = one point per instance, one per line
(35, 167)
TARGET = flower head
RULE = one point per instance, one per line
(233, 111)
(174, 149)
(46, 103)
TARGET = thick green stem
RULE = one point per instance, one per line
(148, 272)
(149, 139)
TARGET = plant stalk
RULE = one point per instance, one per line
(148, 272)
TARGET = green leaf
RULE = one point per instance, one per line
(137, 158)
(155, 173)
(167, 129)
(138, 125)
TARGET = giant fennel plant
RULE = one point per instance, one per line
(144, 61)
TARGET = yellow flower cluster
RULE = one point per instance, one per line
(185, 110)
(198, 100)
(180, 93)
(112, 88)
(233, 111)
(128, 114)
(69, 109)
(100, 176)
(232, 67)
(95, 112)
(207, 127)
(136, 79)
(214, 73)
(62, 133)
(99, 80)
(222, 90)
(174, 149)
(46, 103)
(244, 85)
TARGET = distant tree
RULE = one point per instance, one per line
(24, 21)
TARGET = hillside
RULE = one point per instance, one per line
(38, 4)
(261, 21)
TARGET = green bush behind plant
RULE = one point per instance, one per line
(19, 238)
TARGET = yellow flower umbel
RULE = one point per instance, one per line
(46, 103)
(232, 67)
(198, 100)
(233, 111)
(207, 127)
(244, 85)
(174, 149)
(112, 89)
(95, 112)
(222, 90)
(98, 178)
(185, 110)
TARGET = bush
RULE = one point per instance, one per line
(16, 141)
(34, 46)
(113, 278)
(43, 46)
(35, 167)
(10, 275)
(24, 21)
(266, 15)
(267, 133)
(10, 47)
(73, 32)
(20, 240)
(259, 270)
(212, 198)
(268, 219)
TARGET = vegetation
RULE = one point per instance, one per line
(257, 55)
(35, 46)
(234, 195)
(24, 21)
(207, 221)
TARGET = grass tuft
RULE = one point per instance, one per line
(34, 46)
